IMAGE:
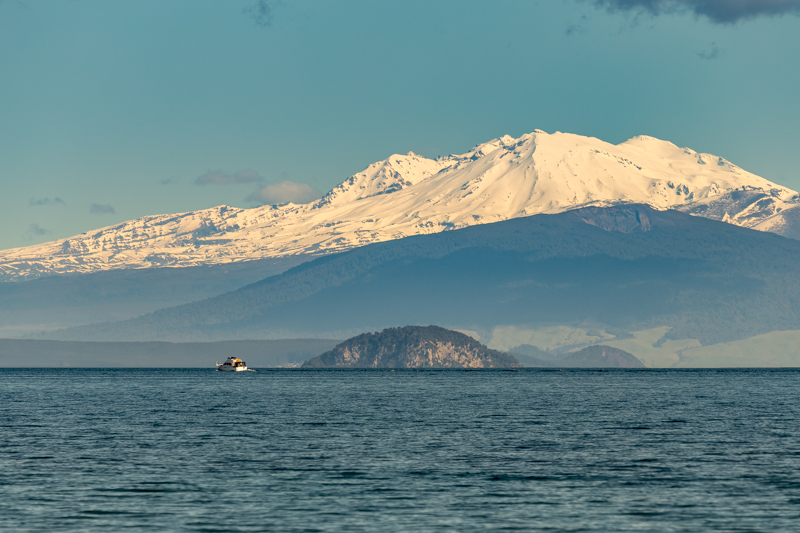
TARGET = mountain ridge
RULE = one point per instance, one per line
(506, 178)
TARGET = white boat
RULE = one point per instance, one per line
(232, 364)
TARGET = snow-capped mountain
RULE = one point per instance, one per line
(410, 195)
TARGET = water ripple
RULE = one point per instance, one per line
(141, 450)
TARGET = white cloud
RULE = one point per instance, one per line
(284, 192)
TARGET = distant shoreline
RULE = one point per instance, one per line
(34, 353)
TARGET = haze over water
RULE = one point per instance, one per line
(197, 450)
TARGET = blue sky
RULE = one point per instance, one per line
(111, 110)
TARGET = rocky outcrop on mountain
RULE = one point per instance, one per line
(785, 223)
(404, 195)
(412, 347)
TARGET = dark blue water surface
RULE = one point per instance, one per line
(289, 450)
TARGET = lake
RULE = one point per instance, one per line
(293, 450)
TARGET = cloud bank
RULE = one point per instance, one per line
(717, 11)
(104, 209)
(284, 192)
(247, 175)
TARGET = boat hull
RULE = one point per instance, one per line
(222, 368)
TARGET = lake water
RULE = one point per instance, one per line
(289, 450)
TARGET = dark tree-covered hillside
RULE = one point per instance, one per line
(623, 268)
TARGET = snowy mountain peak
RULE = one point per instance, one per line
(504, 142)
(384, 177)
(410, 194)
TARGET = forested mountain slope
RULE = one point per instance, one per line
(620, 268)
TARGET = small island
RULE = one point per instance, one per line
(413, 347)
(596, 356)
(600, 356)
